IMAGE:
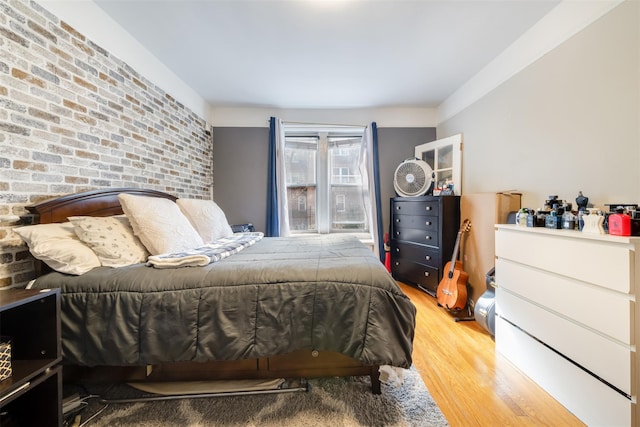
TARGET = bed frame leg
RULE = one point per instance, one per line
(375, 381)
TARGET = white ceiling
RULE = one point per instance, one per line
(326, 54)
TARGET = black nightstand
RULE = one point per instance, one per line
(32, 396)
(242, 228)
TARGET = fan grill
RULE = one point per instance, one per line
(411, 178)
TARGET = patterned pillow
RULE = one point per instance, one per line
(111, 238)
(58, 246)
(207, 218)
(159, 224)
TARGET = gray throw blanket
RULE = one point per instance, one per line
(204, 255)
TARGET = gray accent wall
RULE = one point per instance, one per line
(240, 173)
(240, 168)
(394, 146)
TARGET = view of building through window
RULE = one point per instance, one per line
(324, 184)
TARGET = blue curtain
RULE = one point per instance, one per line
(273, 225)
(376, 189)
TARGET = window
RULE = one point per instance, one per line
(341, 174)
(302, 203)
(341, 203)
(323, 174)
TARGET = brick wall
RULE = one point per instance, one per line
(74, 117)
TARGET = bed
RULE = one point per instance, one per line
(283, 307)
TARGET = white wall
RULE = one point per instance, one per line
(562, 22)
(569, 122)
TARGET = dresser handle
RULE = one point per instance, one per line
(397, 263)
(427, 208)
(398, 208)
(397, 233)
(428, 258)
(427, 223)
(426, 274)
(397, 219)
(398, 250)
(427, 237)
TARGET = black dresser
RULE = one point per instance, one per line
(422, 237)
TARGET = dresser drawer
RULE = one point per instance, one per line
(604, 263)
(420, 222)
(421, 254)
(612, 361)
(415, 273)
(591, 400)
(411, 207)
(559, 293)
(422, 237)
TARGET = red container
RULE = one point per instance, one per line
(623, 225)
(620, 225)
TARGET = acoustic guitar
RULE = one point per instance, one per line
(452, 290)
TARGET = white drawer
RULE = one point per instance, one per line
(589, 399)
(601, 263)
(605, 358)
(576, 300)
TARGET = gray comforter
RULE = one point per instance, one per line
(282, 294)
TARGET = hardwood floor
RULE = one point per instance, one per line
(472, 385)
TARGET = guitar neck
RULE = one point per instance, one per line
(454, 256)
(464, 228)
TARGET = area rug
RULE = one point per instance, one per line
(332, 402)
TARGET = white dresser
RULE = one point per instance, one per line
(567, 317)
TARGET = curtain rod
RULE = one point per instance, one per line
(322, 124)
(286, 122)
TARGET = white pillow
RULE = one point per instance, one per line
(59, 247)
(207, 218)
(159, 224)
(111, 238)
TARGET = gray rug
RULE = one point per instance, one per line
(332, 402)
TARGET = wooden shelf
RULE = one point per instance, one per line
(24, 371)
(31, 320)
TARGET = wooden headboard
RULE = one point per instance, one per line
(103, 202)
